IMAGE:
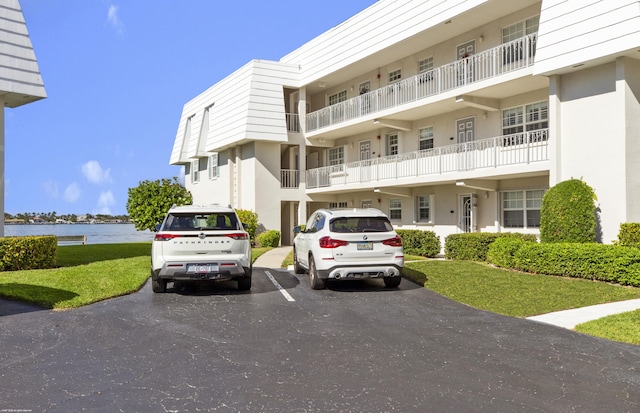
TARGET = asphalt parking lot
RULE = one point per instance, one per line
(282, 347)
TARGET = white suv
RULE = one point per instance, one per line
(348, 244)
(200, 243)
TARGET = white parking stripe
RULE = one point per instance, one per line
(279, 287)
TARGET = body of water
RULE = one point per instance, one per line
(96, 233)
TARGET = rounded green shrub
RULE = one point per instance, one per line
(250, 219)
(568, 213)
(270, 238)
(420, 243)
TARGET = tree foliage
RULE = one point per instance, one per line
(149, 202)
(568, 213)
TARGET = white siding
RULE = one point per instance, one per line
(380, 26)
(577, 31)
(20, 79)
(248, 105)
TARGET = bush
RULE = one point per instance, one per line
(568, 213)
(269, 238)
(629, 234)
(249, 218)
(475, 245)
(502, 250)
(421, 243)
(28, 253)
(610, 263)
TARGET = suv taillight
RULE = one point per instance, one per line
(238, 236)
(328, 242)
(165, 237)
(393, 242)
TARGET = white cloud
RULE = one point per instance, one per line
(72, 193)
(51, 188)
(94, 173)
(114, 19)
(105, 201)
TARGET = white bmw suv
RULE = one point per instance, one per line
(343, 244)
(200, 243)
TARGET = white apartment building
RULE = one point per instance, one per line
(450, 116)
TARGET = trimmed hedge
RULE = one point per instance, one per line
(475, 245)
(568, 213)
(420, 243)
(502, 250)
(610, 263)
(28, 253)
(629, 234)
(270, 238)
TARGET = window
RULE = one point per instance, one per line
(529, 118)
(392, 144)
(334, 205)
(521, 209)
(426, 138)
(195, 173)
(515, 32)
(214, 168)
(423, 208)
(336, 156)
(395, 75)
(425, 69)
(338, 97)
(395, 209)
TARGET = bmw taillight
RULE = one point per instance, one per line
(238, 236)
(328, 242)
(393, 242)
(165, 237)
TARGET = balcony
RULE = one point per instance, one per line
(507, 57)
(293, 122)
(289, 178)
(517, 149)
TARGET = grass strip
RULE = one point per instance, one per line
(509, 292)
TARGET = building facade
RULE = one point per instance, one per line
(451, 116)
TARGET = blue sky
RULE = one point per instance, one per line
(117, 74)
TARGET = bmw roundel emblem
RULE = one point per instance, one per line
(364, 237)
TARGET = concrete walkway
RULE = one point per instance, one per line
(566, 318)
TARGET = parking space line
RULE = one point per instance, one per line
(284, 292)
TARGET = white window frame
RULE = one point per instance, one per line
(429, 208)
(425, 138)
(335, 156)
(338, 97)
(195, 171)
(395, 75)
(393, 144)
(337, 205)
(524, 118)
(425, 69)
(395, 209)
(520, 29)
(523, 201)
(214, 166)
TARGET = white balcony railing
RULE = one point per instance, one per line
(293, 122)
(505, 58)
(289, 178)
(519, 148)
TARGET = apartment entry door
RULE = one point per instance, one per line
(365, 160)
(465, 66)
(466, 131)
(468, 213)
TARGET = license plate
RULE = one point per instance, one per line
(201, 268)
(365, 246)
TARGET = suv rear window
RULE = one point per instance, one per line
(199, 222)
(360, 224)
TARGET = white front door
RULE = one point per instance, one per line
(465, 213)
(465, 64)
(466, 136)
(365, 160)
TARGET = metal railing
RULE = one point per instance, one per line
(289, 178)
(293, 122)
(515, 149)
(505, 58)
